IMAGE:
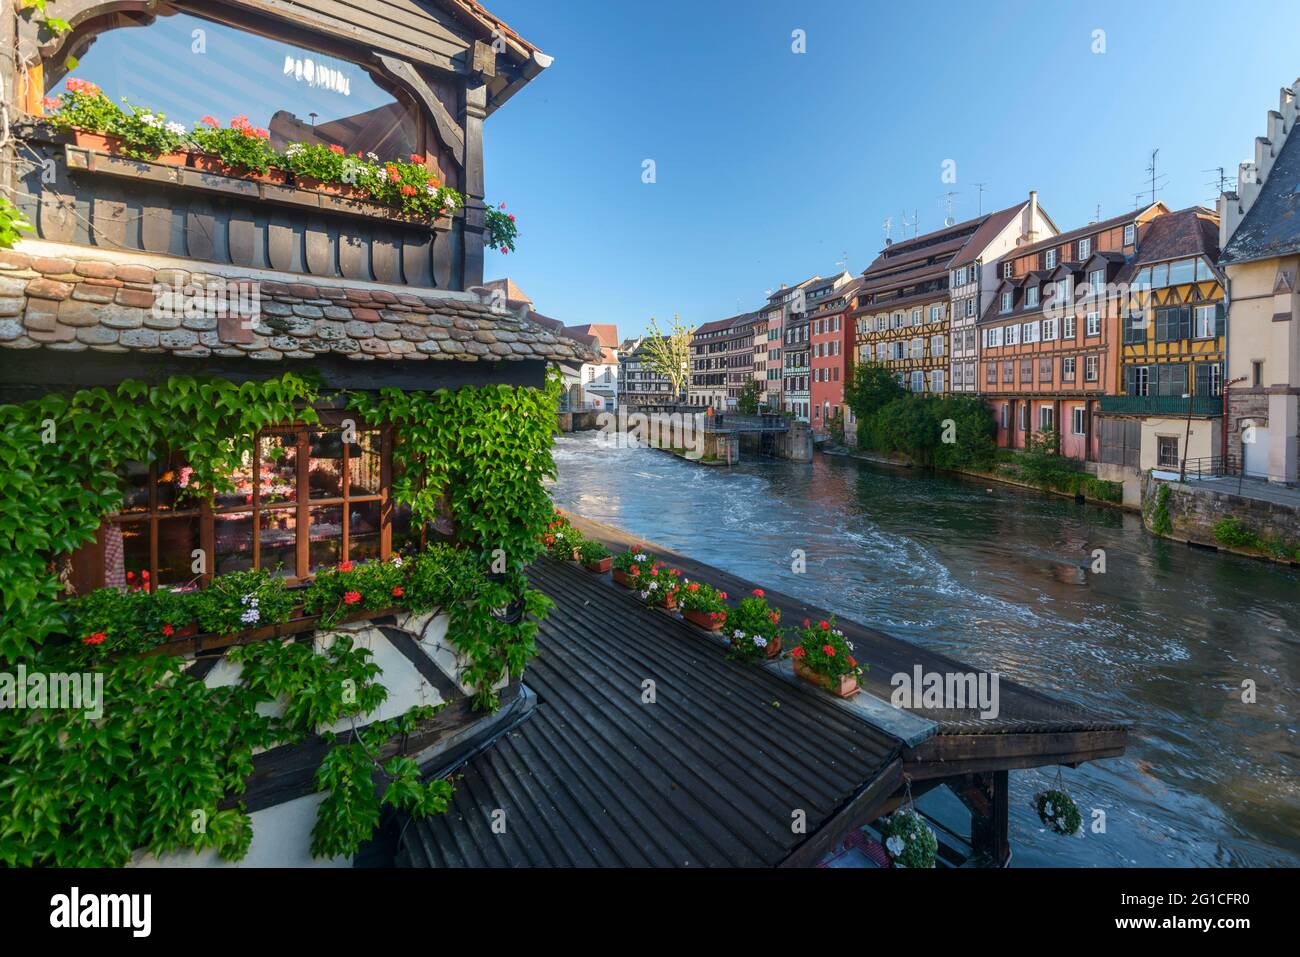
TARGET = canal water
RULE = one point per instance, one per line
(1000, 578)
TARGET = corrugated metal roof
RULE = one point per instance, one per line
(708, 775)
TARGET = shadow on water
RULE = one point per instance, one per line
(1002, 578)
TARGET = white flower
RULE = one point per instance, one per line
(450, 199)
(894, 845)
(374, 158)
(654, 585)
(738, 633)
(251, 617)
(639, 557)
(177, 128)
(293, 150)
(760, 641)
(397, 560)
(1049, 810)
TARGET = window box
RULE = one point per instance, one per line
(846, 686)
(208, 163)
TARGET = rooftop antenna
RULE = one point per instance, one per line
(948, 203)
(1157, 181)
(888, 224)
(1096, 217)
(980, 187)
(843, 262)
(1223, 181)
(909, 223)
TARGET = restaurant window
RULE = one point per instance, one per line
(304, 500)
(296, 93)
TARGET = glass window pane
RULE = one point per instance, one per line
(233, 536)
(1160, 275)
(135, 487)
(365, 468)
(406, 532)
(178, 538)
(297, 94)
(175, 488)
(363, 531)
(326, 537)
(1182, 271)
(279, 457)
(126, 555)
(279, 542)
(325, 467)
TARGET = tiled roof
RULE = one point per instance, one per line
(993, 224)
(1062, 238)
(512, 292)
(74, 305)
(1189, 232)
(605, 333)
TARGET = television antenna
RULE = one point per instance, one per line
(888, 225)
(980, 187)
(1158, 181)
(911, 223)
(948, 202)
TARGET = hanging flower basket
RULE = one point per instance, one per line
(1057, 810)
(909, 840)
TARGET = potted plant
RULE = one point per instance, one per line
(659, 585)
(97, 123)
(351, 588)
(824, 657)
(562, 542)
(325, 169)
(239, 149)
(909, 840)
(754, 628)
(1057, 810)
(242, 601)
(631, 565)
(703, 605)
(595, 557)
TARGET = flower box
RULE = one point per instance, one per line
(601, 566)
(773, 647)
(113, 145)
(669, 601)
(624, 579)
(208, 163)
(334, 189)
(703, 620)
(845, 686)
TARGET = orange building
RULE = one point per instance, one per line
(1050, 340)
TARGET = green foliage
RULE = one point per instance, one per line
(501, 229)
(870, 388)
(909, 840)
(1058, 811)
(747, 402)
(835, 426)
(240, 146)
(823, 648)
(350, 812)
(592, 551)
(12, 223)
(146, 134)
(1161, 523)
(752, 626)
(338, 592)
(703, 598)
(62, 453)
(1234, 533)
(633, 561)
(111, 622)
(241, 601)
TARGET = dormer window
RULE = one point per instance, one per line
(1085, 248)
(1006, 270)
(1049, 259)
(1130, 234)
(1031, 297)
(1006, 301)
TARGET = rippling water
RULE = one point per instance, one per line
(992, 576)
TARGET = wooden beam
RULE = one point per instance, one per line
(475, 212)
(862, 808)
(947, 755)
(449, 131)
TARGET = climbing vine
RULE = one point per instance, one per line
(161, 764)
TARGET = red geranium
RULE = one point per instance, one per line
(351, 597)
(98, 638)
(398, 591)
(336, 149)
(757, 593)
(345, 566)
(168, 630)
(692, 587)
(829, 650)
(824, 625)
(806, 623)
(798, 652)
(417, 158)
(210, 121)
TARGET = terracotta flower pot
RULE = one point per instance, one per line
(600, 566)
(209, 163)
(115, 146)
(669, 601)
(702, 620)
(845, 686)
(624, 579)
(334, 189)
(773, 647)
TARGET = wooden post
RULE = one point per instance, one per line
(1001, 830)
(987, 797)
(475, 211)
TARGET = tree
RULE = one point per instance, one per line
(747, 404)
(670, 355)
(870, 389)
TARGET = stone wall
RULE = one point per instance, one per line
(1194, 510)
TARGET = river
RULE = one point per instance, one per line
(1164, 638)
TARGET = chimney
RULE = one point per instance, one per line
(1030, 232)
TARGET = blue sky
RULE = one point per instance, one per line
(772, 166)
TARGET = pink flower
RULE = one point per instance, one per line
(210, 121)
(757, 593)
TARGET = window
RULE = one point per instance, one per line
(1024, 416)
(1257, 372)
(1173, 323)
(897, 350)
(1029, 332)
(305, 500)
(991, 373)
(1031, 297)
(918, 348)
(936, 345)
(1097, 280)
(1006, 271)
(1209, 378)
(1093, 327)
(995, 337)
(916, 317)
(1049, 330)
(1077, 420)
(1182, 271)
(1135, 329)
(1045, 418)
(1130, 232)
(1091, 368)
(959, 276)
(1067, 327)
(1045, 370)
(970, 307)
(918, 381)
(1026, 371)
(1049, 259)
(1167, 451)
(1006, 301)
(936, 313)
(1008, 371)
(1204, 321)
(1067, 368)
(1061, 291)
(936, 380)
(1012, 334)
(1085, 248)
(1006, 415)
(297, 94)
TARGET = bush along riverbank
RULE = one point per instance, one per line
(959, 434)
(1230, 523)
